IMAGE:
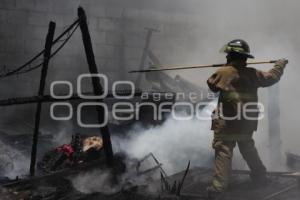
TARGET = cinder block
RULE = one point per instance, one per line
(33, 46)
(104, 51)
(22, 57)
(102, 63)
(92, 23)
(60, 61)
(65, 6)
(156, 16)
(14, 45)
(11, 61)
(14, 60)
(2, 46)
(114, 12)
(3, 55)
(69, 19)
(96, 10)
(13, 16)
(98, 37)
(68, 64)
(134, 26)
(113, 65)
(38, 19)
(79, 64)
(90, 3)
(133, 53)
(114, 38)
(71, 49)
(174, 29)
(9, 30)
(132, 64)
(9, 4)
(59, 19)
(108, 24)
(44, 5)
(77, 37)
(18, 17)
(3, 15)
(110, 65)
(135, 40)
(25, 4)
(34, 32)
(133, 14)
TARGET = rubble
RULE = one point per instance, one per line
(189, 184)
(293, 161)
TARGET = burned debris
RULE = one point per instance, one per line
(176, 187)
(293, 161)
(80, 150)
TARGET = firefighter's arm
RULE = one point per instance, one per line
(265, 79)
(213, 81)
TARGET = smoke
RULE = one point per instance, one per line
(173, 143)
(95, 181)
(176, 142)
(104, 182)
(270, 27)
(13, 163)
(63, 134)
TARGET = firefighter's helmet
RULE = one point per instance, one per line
(237, 46)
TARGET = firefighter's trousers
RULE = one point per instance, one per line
(223, 157)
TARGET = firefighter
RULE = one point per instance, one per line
(235, 119)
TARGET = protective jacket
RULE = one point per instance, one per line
(237, 108)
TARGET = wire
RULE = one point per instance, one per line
(53, 54)
(58, 39)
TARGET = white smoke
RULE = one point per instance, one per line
(95, 181)
(63, 134)
(174, 143)
(13, 163)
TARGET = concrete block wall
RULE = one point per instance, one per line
(117, 32)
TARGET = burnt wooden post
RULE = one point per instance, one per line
(98, 90)
(274, 124)
(47, 53)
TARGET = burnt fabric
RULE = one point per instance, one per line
(235, 118)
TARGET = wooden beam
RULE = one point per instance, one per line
(49, 98)
(98, 90)
(47, 54)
